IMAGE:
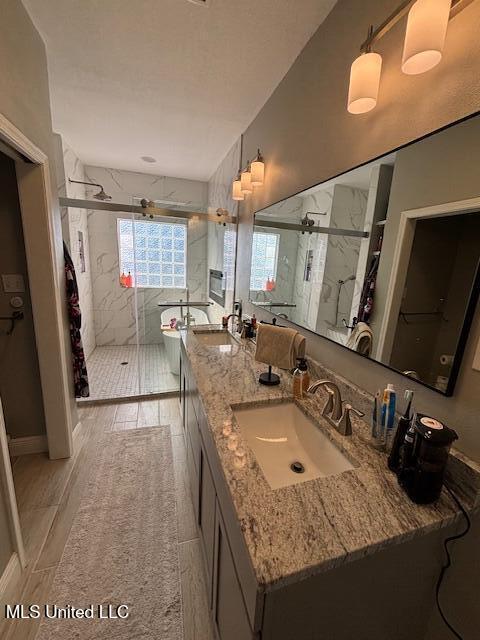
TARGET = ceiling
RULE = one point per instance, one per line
(170, 79)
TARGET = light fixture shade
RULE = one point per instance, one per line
(257, 170)
(246, 182)
(364, 83)
(425, 37)
(237, 193)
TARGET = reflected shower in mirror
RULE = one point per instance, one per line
(356, 260)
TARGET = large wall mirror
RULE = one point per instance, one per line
(384, 259)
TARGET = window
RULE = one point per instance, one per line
(155, 253)
(264, 260)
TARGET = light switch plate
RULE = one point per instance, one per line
(476, 358)
(13, 283)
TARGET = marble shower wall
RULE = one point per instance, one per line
(349, 205)
(115, 308)
(219, 197)
(290, 210)
(334, 258)
(75, 222)
(306, 294)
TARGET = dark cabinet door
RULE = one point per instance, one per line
(230, 615)
(206, 518)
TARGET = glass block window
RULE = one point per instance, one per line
(155, 253)
(264, 260)
(228, 258)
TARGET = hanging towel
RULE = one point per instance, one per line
(368, 291)
(360, 339)
(80, 375)
(299, 346)
(276, 346)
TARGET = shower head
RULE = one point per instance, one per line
(352, 277)
(101, 195)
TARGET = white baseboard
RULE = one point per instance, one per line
(29, 444)
(9, 578)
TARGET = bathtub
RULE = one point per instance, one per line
(171, 337)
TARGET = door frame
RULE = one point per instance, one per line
(401, 258)
(6, 482)
(42, 236)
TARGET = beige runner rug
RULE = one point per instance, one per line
(122, 548)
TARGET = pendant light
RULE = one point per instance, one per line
(364, 80)
(257, 170)
(237, 193)
(246, 181)
(425, 37)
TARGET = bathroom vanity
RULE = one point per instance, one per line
(344, 554)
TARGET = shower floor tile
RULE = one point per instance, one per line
(118, 372)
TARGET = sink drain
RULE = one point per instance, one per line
(297, 467)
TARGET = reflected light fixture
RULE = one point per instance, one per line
(253, 175)
(257, 170)
(246, 180)
(237, 193)
(425, 37)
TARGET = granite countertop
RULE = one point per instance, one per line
(300, 530)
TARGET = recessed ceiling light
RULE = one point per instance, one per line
(202, 3)
(148, 159)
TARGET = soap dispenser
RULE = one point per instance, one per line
(300, 378)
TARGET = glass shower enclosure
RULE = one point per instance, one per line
(146, 264)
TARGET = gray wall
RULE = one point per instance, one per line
(19, 375)
(25, 101)
(307, 136)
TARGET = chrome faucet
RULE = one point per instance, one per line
(335, 411)
(238, 307)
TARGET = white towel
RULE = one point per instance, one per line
(276, 346)
(360, 339)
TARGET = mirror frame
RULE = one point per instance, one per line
(474, 292)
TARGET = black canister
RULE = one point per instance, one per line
(431, 447)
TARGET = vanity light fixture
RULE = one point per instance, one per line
(257, 170)
(246, 180)
(253, 175)
(237, 193)
(424, 42)
(364, 80)
(425, 37)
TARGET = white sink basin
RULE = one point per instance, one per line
(215, 338)
(281, 435)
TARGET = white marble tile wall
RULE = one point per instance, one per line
(348, 212)
(219, 196)
(290, 210)
(307, 293)
(119, 313)
(286, 267)
(123, 186)
(73, 222)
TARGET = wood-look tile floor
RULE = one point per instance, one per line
(49, 494)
